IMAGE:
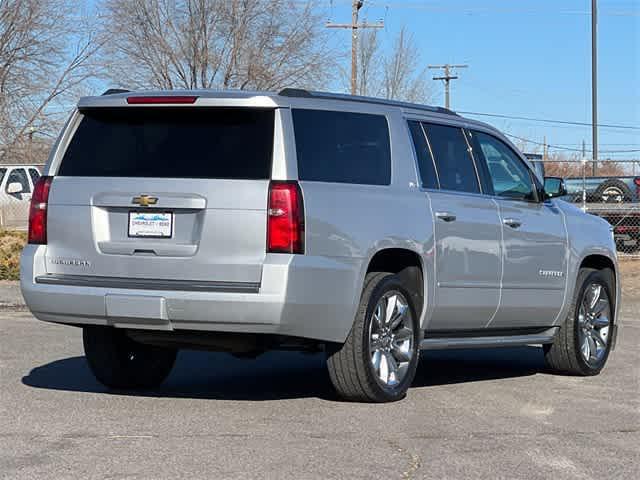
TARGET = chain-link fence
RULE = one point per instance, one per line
(16, 188)
(609, 189)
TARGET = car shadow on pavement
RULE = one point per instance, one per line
(283, 375)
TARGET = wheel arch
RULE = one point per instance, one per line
(408, 265)
(602, 262)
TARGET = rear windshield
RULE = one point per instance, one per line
(172, 143)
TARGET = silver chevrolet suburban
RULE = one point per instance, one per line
(364, 228)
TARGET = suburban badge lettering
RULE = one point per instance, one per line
(70, 262)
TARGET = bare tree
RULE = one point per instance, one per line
(560, 164)
(369, 68)
(403, 77)
(243, 44)
(395, 73)
(44, 58)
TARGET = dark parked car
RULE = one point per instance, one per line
(604, 189)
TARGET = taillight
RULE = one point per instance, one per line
(285, 218)
(166, 99)
(38, 211)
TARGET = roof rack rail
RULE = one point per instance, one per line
(302, 93)
(113, 91)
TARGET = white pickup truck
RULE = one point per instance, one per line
(16, 185)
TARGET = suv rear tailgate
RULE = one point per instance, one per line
(163, 193)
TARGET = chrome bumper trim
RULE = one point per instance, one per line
(147, 283)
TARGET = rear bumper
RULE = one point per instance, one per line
(299, 295)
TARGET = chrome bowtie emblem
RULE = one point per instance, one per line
(145, 200)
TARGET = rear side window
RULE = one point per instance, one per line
(428, 174)
(456, 170)
(172, 143)
(342, 147)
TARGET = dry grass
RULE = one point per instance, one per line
(11, 243)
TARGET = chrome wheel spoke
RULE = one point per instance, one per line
(584, 348)
(390, 309)
(393, 368)
(402, 370)
(593, 348)
(400, 353)
(403, 334)
(598, 338)
(601, 305)
(377, 316)
(383, 372)
(398, 315)
(594, 295)
(375, 361)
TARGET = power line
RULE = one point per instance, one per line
(548, 120)
(559, 147)
(498, 10)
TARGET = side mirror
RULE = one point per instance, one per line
(554, 187)
(14, 188)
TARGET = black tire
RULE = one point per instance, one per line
(613, 191)
(564, 355)
(349, 364)
(119, 362)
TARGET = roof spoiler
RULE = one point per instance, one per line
(114, 91)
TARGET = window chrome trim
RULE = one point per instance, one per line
(461, 129)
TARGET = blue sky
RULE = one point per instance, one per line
(529, 58)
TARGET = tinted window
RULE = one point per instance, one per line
(18, 175)
(34, 174)
(3, 172)
(342, 147)
(451, 154)
(172, 143)
(425, 162)
(510, 176)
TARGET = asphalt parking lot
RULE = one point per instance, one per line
(470, 414)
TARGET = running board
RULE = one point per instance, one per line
(516, 340)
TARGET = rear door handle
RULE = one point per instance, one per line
(512, 222)
(446, 216)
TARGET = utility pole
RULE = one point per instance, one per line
(545, 149)
(594, 83)
(354, 26)
(447, 77)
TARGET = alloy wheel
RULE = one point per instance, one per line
(612, 195)
(594, 321)
(391, 339)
